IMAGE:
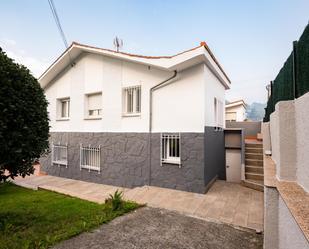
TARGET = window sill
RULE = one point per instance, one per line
(62, 119)
(62, 163)
(131, 115)
(93, 118)
(171, 162)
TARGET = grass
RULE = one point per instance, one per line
(40, 219)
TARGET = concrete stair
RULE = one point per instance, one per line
(254, 176)
(254, 184)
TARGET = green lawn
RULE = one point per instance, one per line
(39, 219)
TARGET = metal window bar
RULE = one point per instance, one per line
(60, 154)
(90, 158)
(170, 149)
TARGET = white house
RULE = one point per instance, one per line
(235, 111)
(128, 120)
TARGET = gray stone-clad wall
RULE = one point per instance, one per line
(190, 175)
(125, 160)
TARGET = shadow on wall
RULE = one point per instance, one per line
(214, 151)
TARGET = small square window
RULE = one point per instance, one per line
(60, 154)
(132, 100)
(94, 105)
(90, 158)
(63, 108)
(170, 149)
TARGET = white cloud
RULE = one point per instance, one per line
(35, 65)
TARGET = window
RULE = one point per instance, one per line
(218, 110)
(132, 100)
(63, 108)
(170, 149)
(60, 154)
(90, 158)
(94, 105)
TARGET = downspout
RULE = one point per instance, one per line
(161, 84)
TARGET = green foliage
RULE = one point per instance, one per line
(40, 219)
(116, 200)
(284, 87)
(24, 124)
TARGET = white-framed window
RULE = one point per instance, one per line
(131, 100)
(63, 108)
(170, 149)
(219, 111)
(94, 105)
(60, 154)
(90, 158)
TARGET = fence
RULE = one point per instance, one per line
(293, 78)
(90, 158)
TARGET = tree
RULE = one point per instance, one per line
(24, 128)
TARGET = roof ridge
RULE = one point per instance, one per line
(202, 44)
(136, 55)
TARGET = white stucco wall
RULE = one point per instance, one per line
(283, 140)
(274, 137)
(265, 129)
(181, 106)
(302, 140)
(240, 111)
(213, 89)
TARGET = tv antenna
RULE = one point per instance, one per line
(118, 43)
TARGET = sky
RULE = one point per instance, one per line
(251, 39)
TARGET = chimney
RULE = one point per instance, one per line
(203, 44)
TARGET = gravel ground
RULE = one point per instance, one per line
(157, 228)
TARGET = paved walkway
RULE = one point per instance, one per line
(224, 202)
(153, 228)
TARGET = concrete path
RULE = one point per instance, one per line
(158, 228)
(224, 202)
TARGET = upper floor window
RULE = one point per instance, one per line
(219, 111)
(63, 108)
(94, 105)
(132, 100)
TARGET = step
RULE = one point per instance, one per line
(254, 169)
(254, 150)
(254, 184)
(249, 145)
(254, 162)
(254, 176)
(253, 156)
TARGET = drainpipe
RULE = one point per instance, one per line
(156, 87)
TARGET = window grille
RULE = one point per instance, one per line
(170, 149)
(60, 154)
(132, 100)
(90, 158)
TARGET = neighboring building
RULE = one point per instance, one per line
(235, 111)
(131, 120)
